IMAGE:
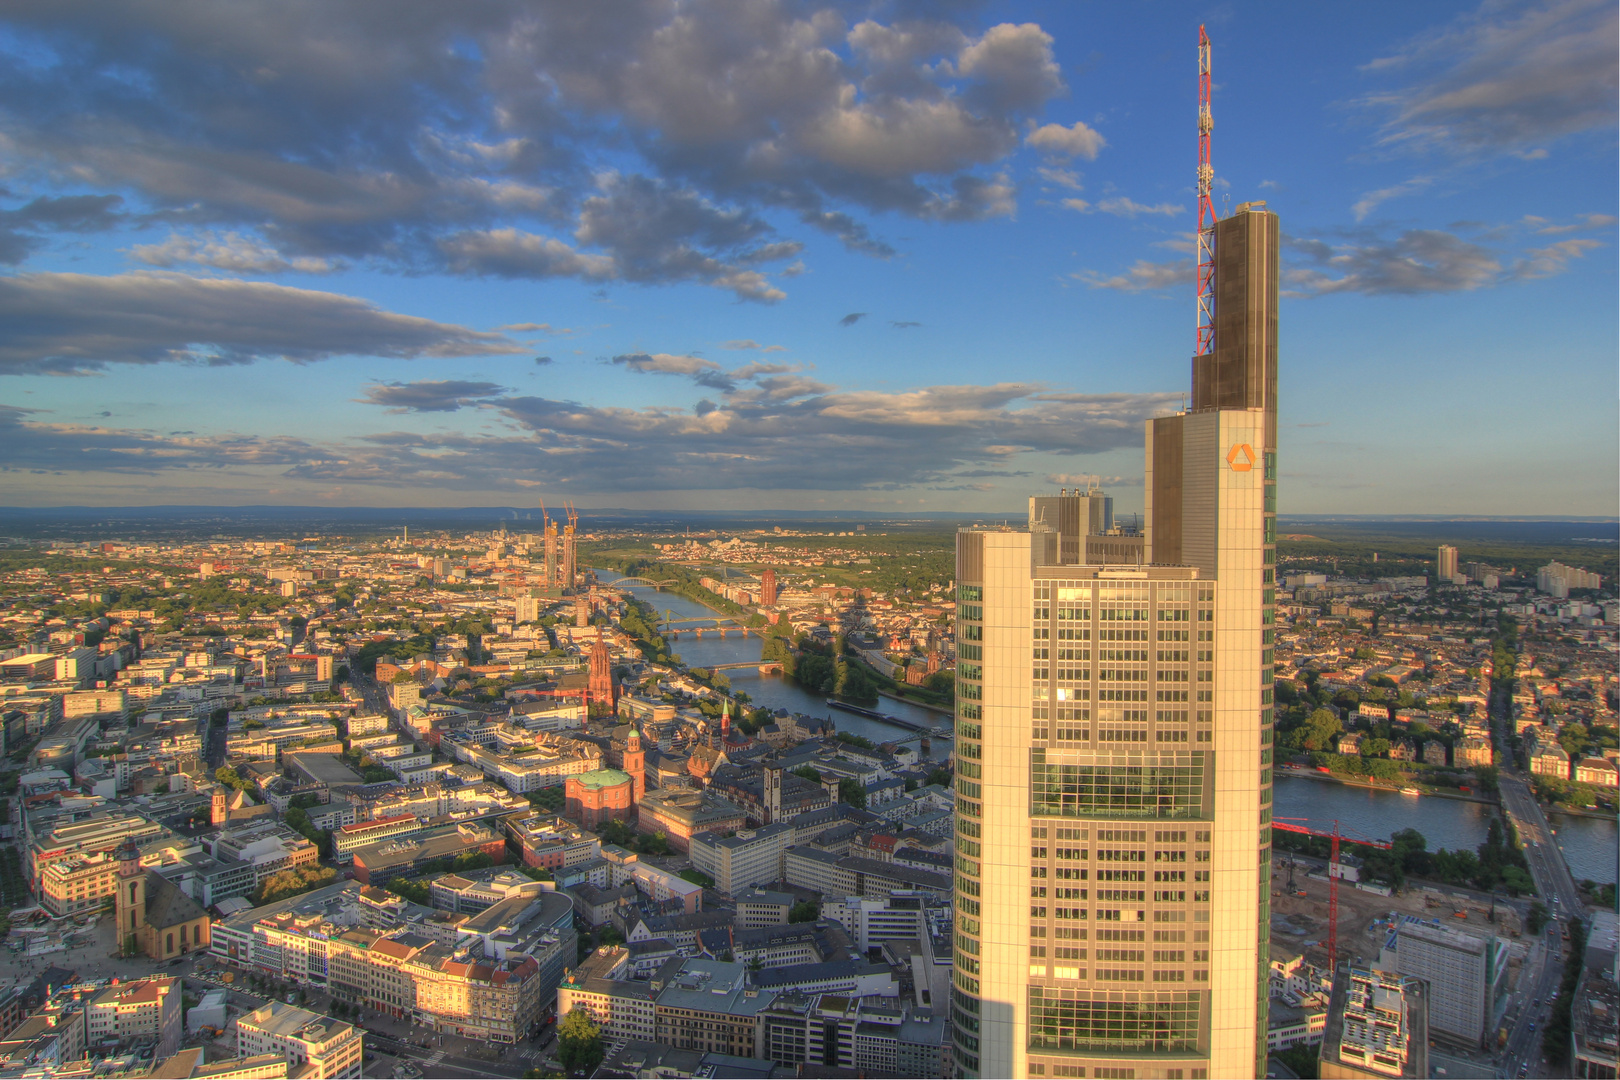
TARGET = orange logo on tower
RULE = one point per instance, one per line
(1240, 457)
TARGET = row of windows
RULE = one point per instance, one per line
(1072, 1019)
(1094, 789)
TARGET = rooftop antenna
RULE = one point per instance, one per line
(1206, 206)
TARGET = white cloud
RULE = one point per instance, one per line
(232, 252)
(1373, 199)
(1076, 140)
(1505, 78)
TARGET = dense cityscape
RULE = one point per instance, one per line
(678, 539)
(430, 793)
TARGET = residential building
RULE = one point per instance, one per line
(708, 1005)
(1466, 973)
(1445, 564)
(1472, 751)
(1110, 880)
(78, 883)
(624, 1008)
(146, 1008)
(313, 1045)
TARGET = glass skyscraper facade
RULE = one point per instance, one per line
(1113, 747)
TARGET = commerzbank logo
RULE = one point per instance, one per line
(1240, 457)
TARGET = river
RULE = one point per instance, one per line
(1589, 844)
(774, 691)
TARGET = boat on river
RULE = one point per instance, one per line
(885, 718)
(1410, 791)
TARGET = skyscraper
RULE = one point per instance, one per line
(1114, 745)
(1445, 564)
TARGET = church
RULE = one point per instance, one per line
(156, 918)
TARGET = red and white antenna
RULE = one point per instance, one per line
(1206, 207)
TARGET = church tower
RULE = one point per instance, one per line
(635, 763)
(219, 811)
(601, 678)
(131, 902)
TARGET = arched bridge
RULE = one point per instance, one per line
(642, 581)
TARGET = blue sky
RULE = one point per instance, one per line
(895, 256)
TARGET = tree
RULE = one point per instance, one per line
(804, 911)
(579, 1043)
(808, 772)
(940, 776)
(1321, 730)
(228, 776)
(851, 792)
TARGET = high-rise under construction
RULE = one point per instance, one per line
(1114, 746)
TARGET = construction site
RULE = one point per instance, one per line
(1301, 901)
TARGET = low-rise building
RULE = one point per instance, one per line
(381, 863)
(681, 814)
(78, 883)
(1550, 760)
(864, 1035)
(1600, 771)
(452, 892)
(759, 907)
(1377, 1027)
(624, 1008)
(742, 860)
(708, 1005)
(313, 1045)
(146, 1008)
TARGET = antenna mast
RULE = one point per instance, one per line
(1206, 207)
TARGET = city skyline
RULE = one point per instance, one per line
(834, 259)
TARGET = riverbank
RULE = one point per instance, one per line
(1312, 774)
(1566, 811)
(918, 703)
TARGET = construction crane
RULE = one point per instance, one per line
(1333, 878)
(1206, 206)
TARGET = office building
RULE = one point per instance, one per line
(314, 1046)
(1114, 744)
(1075, 516)
(1445, 564)
(746, 858)
(1467, 975)
(871, 1035)
(1377, 1026)
(870, 922)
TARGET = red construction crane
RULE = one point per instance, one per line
(1333, 877)
(1206, 207)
